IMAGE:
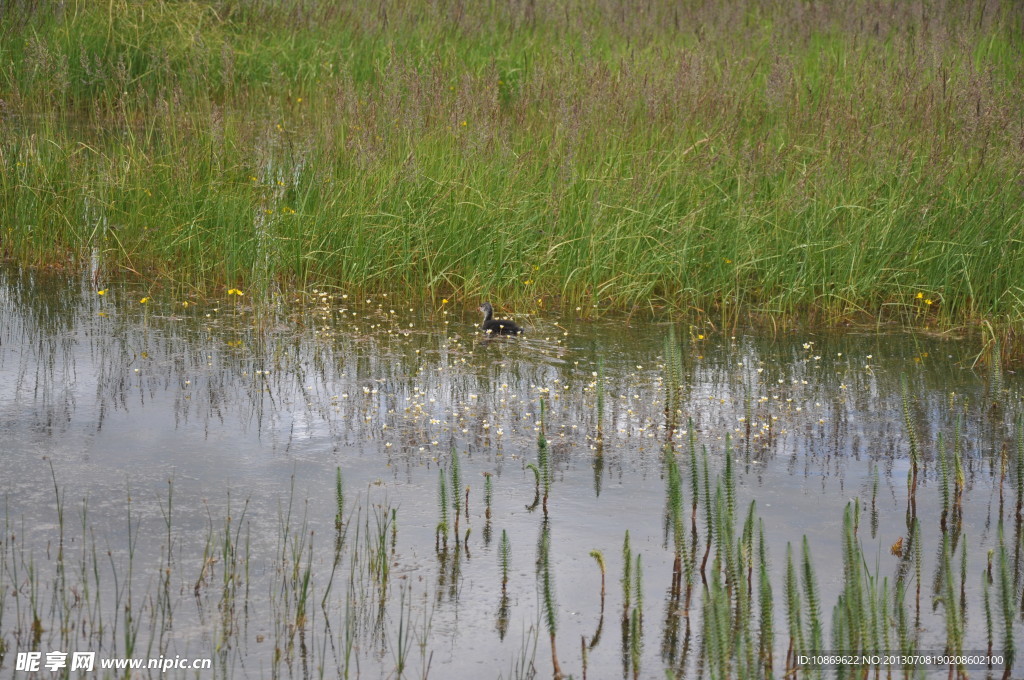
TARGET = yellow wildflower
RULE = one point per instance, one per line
(102, 292)
(144, 300)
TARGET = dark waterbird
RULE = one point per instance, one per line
(497, 326)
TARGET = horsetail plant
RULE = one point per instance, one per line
(488, 498)
(504, 562)
(488, 494)
(746, 553)
(1007, 603)
(339, 500)
(674, 517)
(544, 460)
(996, 374)
(442, 502)
(635, 641)
(915, 544)
(627, 576)
(814, 626)
(456, 479)
(766, 641)
(915, 453)
(986, 600)
(950, 604)
(709, 516)
(944, 486)
(547, 583)
(963, 577)
(1020, 467)
(599, 558)
(958, 470)
(694, 475)
(638, 590)
(504, 558)
(730, 480)
(673, 380)
(874, 501)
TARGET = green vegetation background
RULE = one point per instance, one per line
(774, 159)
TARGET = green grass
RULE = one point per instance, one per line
(732, 162)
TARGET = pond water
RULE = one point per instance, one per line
(170, 488)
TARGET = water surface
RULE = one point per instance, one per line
(169, 478)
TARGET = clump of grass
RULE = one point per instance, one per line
(619, 150)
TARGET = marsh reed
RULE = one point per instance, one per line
(721, 160)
